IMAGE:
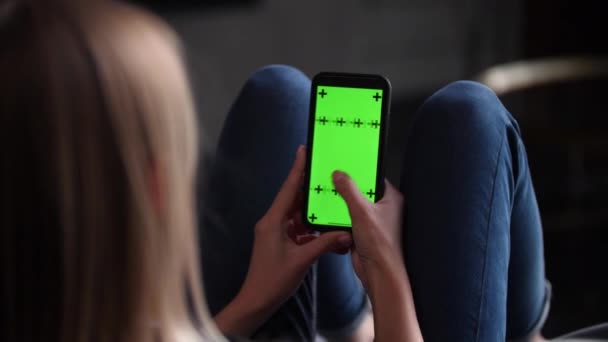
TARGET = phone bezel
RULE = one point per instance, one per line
(355, 81)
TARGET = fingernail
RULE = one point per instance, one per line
(345, 240)
(338, 176)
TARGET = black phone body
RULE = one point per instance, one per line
(347, 128)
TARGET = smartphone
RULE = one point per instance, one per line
(347, 129)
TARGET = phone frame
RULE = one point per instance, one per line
(366, 81)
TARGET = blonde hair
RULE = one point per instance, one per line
(98, 221)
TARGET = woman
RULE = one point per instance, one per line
(97, 203)
(97, 183)
(471, 237)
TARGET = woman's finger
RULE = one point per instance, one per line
(296, 228)
(355, 201)
(284, 200)
(296, 205)
(306, 238)
(391, 193)
(324, 243)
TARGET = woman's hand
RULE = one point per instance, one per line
(278, 263)
(376, 227)
(378, 259)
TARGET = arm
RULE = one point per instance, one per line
(242, 316)
(392, 304)
(278, 264)
(378, 260)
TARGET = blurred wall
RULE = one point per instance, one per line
(420, 45)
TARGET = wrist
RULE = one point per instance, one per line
(253, 303)
(387, 262)
(243, 315)
(391, 296)
(387, 274)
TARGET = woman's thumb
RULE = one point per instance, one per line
(346, 187)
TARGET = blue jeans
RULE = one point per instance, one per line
(472, 233)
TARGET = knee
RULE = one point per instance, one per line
(465, 107)
(277, 84)
(274, 99)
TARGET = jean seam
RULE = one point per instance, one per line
(485, 258)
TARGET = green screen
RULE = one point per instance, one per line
(346, 137)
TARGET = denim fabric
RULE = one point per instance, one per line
(473, 241)
(472, 235)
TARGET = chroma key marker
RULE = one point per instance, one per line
(370, 193)
(323, 93)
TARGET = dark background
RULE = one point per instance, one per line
(422, 45)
